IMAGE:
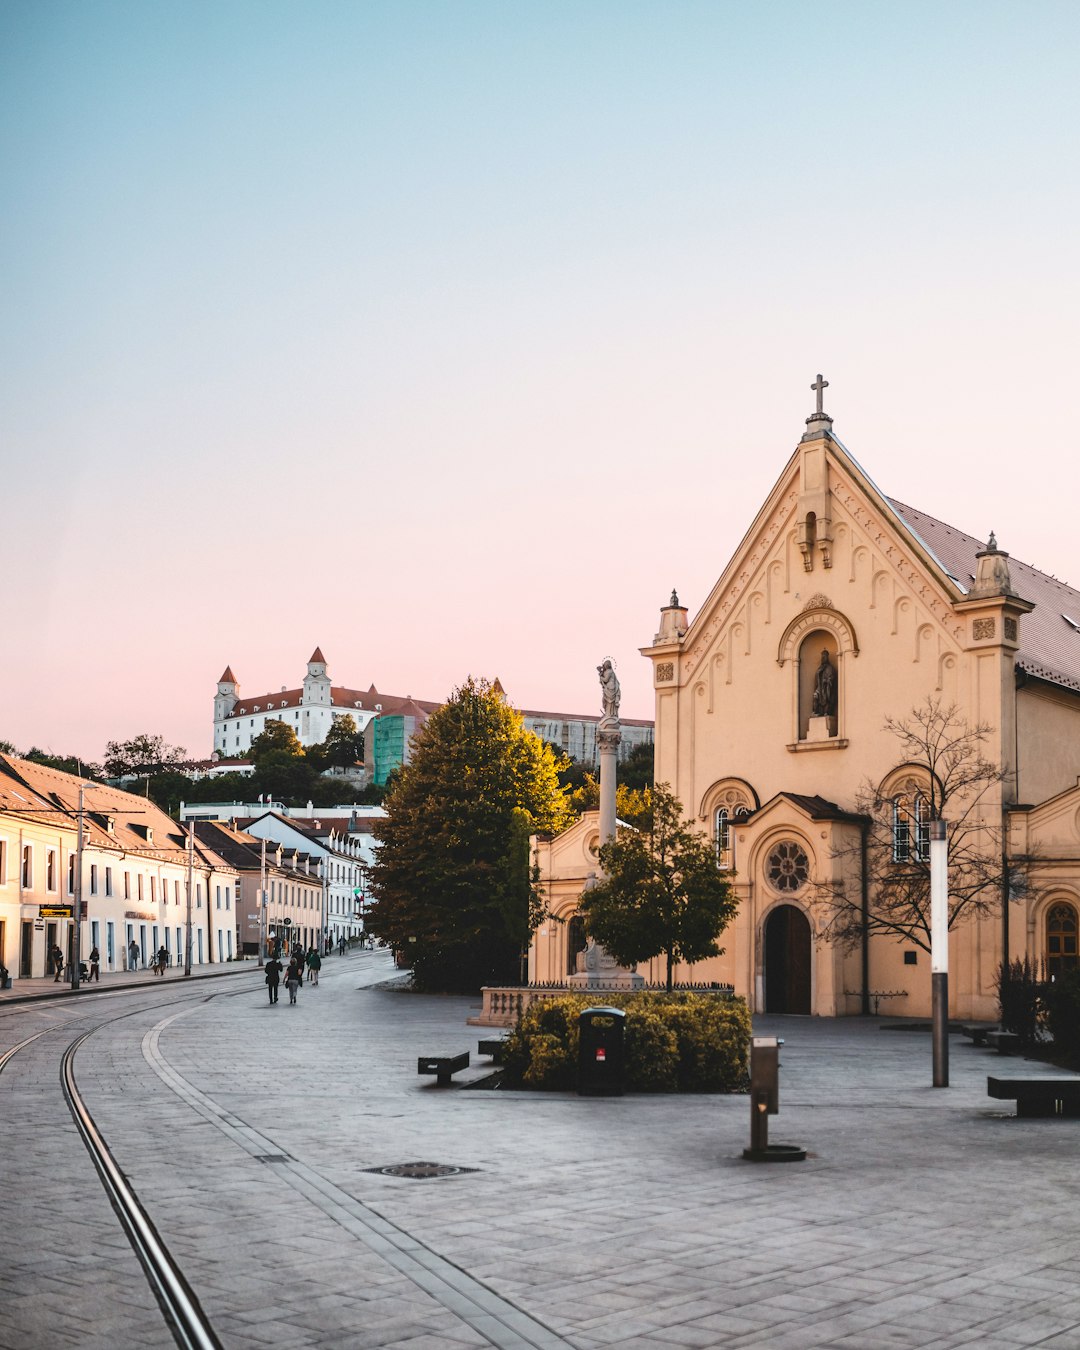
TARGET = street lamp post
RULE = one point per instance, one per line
(262, 907)
(190, 882)
(76, 944)
(939, 949)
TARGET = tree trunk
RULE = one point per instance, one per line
(669, 972)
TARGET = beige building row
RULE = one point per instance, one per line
(136, 877)
(839, 609)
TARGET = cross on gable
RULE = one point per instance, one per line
(820, 385)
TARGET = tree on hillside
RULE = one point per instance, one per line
(451, 879)
(662, 892)
(81, 768)
(275, 735)
(143, 755)
(343, 745)
(941, 771)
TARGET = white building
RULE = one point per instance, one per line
(134, 876)
(344, 848)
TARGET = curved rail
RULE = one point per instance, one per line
(186, 1319)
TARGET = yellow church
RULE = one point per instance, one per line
(841, 609)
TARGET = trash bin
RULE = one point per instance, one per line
(601, 1052)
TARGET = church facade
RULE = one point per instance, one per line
(841, 609)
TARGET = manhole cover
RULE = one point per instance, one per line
(420, 1170)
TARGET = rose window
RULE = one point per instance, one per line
(788, 868)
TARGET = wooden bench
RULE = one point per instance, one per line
(442, 1066)
(494, 1047)
(1038, 1096)
(1004, 1042)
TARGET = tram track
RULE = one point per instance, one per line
(502, 1323)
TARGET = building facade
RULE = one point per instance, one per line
(841, 609)
(137, 875)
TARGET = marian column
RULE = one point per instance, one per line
(608, 738)
(602, 971)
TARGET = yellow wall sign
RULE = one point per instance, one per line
(55, 911)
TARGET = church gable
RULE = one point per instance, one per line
(825, 541)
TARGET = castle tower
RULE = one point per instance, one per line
(317, 680)
(228, 692)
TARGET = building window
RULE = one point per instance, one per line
(723, 840)
(788, 868)
(27, 867)
(108, 881)
(228, 897)
(140, 888)
(50, 869)
(1061, 931)
(217, 897)
(910, 829)
(71, 874)
(3, 862)
(127, 885)
(93, 878)
(153, 890)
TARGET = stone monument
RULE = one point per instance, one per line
(601, 970)
(823, 707)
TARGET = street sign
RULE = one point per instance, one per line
(55, 911)
(286, 923)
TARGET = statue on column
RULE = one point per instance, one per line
(610, 692)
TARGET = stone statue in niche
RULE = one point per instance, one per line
(824, 704)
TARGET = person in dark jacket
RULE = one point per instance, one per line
(95, 965)
(273, 978)
(58, 962)
(294, 978)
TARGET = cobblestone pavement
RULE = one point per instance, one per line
(922, 1217)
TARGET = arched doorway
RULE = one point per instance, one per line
(787, 961)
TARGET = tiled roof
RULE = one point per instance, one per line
(350, 700)
(1049, 643)
(52, 797)
(228, 677)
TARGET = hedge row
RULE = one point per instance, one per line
(674, 1043)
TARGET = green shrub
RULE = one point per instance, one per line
(674, 1042)
(1063, 1016)
(1022, 999)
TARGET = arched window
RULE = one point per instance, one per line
(910, 828)
(724, 850)
(576, 942)
(1061, 932)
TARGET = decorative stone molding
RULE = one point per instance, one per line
(981, 629)
(1011, 633)
(665, 670)
(829, 619)
(818, 601)
(915, 578)
(764, 542)
(733, 793)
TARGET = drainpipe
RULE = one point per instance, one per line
(865, 901)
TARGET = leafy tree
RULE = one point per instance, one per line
(940, 772)
(82, 768)
(633, 806)
(143, 755)
(662, 892)
(343, 745)
(451, 879)
(283, 775)
(636, 770)
(275, 735)
(6, 748)
(168, 790)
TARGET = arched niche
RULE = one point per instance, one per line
(817, 630)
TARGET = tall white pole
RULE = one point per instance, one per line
(939, 949)
(75, 944)
(190, 883)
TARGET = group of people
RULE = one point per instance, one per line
(299, 963)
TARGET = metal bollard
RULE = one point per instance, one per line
(765, 1102)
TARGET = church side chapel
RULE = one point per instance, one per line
(843, 609)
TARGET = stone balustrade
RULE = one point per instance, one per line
(504, 1004)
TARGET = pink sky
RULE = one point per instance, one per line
(452, 338)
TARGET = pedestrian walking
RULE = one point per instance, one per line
(95, 965)
(341, 947)
(161, 962)
(273, 978)
(329, 946)
(293, 977)
(58, 962)
(314, 965)
(133, 955)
